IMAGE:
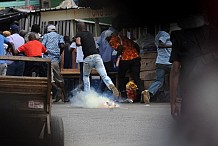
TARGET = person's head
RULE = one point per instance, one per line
(6, 33)
(32, 36)
(51, 28)
(22, 33)
(14, 28)
(35, 28)
(81, 26)
(67, 38)
(116, 23)
(108, 34)
(165, 27)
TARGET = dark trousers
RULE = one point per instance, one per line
(16, 68)
(133, 66)
(40, 68)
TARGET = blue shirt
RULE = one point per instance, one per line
(163, 54)
(105, 50)
(51, 41)
(2, 49)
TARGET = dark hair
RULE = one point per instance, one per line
(35, 28)
(32, 36)
(67, 38)
(165, 27)
(22, 33)
(116, 23)
(81, 26)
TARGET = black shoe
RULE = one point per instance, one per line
(66, 100)
(57, 100)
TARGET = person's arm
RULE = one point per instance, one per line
(78, 41)
(12, 49)
(174, 83)
(44, 50)
(137, 47)
(164, 45)
(72, 46)
(61, 46)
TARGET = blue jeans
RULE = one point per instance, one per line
(109, 68)
(94, 61)
(161, 71)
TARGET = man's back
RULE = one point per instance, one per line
(32, 48)
(16, 39)
(87, 42)
(51, 41)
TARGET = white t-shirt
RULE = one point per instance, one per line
(79, 52)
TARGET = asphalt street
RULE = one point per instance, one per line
(130, 124)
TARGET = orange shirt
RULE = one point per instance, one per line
(32, 48)
(129, 50)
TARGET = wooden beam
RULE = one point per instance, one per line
(78, 13)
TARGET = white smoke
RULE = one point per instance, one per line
(92, 99)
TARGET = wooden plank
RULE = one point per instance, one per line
(9, 93)
(9, 82)
(148, 64)
(70, 71)
(148, 75)
(24, 58)
(23, 88)
(147, 83)
(149, 54)
(19, 78)
(81, 13)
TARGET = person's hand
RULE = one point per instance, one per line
(108, 38)
(8, 49)
(119, 50)
(175, 110)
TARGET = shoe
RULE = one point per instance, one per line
(66, 100)
(57, 100)
(122, 100)
(114, 90)
(145, 97)
(58, 95)
(129, 100)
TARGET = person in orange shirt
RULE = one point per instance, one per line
(129, 54)
(33, 48)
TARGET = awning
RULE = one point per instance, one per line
(8, 16)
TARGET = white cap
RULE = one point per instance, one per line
(51, 28)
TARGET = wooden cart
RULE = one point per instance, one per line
(25, 109)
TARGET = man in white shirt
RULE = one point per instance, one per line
(15, 68)
(79, 59)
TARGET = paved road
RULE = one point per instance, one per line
(128, 125)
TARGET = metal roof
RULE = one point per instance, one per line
(10, 14)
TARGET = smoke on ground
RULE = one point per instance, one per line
(92, 99)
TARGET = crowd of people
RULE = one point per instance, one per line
(97, 54)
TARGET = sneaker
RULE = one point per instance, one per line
(114, 90)
(145, 97)
(122, 100)
(129, 100)
(66, 100)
